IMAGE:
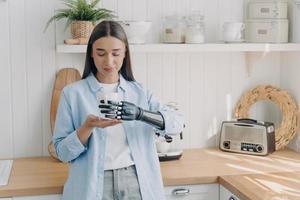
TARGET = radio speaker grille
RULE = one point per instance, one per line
(244, 134)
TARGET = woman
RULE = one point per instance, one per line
(111, 158)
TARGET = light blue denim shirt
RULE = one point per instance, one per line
(85, 181)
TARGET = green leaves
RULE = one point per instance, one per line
(80, 10)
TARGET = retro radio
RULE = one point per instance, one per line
(247, 136)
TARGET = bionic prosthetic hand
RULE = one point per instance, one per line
(124, 110)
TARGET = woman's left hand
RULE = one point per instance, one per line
(85, 131)
(95, 121)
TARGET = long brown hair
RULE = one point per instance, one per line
(104, 29)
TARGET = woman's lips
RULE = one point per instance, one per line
(108, 69)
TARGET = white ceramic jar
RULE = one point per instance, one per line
(195, 32)
(174, 29)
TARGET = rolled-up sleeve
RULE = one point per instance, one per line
(65, 139)
(174, 122)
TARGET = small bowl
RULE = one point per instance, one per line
(136, 31)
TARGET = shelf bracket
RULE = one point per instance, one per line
(252, 57)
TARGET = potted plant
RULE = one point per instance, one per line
(82, 16)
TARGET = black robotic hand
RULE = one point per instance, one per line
(120, 110)
(124, 110)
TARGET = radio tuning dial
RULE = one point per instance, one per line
(259, 148)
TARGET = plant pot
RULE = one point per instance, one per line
(81, 29)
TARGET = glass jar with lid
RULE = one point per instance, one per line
(195, 31)
(174, 29)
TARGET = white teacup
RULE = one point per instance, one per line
(233, 31)
(162, 146)
(106, 96)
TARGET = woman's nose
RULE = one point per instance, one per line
(109, 60)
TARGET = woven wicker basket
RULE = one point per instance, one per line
(81, 29)
(290, 119)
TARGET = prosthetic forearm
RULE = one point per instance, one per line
(155, 119)
(124, 110)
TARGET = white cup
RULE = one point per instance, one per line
(162, 146)
(233, 31)
(106, 96)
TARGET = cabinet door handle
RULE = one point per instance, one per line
(232, 198)
(180, 191)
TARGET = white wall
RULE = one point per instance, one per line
(199, 82)
(290, 81)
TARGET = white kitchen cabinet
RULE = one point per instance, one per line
(226, 194)
(193, 192)
(42, 197)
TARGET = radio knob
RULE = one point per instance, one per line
(226, 144)
(270, 129)
(259, 148)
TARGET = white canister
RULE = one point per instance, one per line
(271, 31)
(194, 35)
(174, 29)
(267, 9)
(294, 13)
(195, 32)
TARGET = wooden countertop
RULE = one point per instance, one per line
(273, 186)
(206, 165)
(37, 176)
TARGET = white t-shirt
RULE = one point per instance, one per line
(117, 152)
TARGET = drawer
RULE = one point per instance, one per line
(41, 197)
(226, 194)
(193, 192)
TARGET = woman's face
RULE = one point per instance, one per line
(108, 54)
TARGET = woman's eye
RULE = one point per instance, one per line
(113, 54)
